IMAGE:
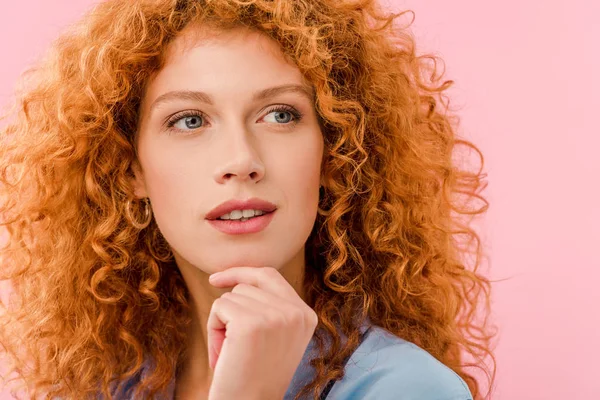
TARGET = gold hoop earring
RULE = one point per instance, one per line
(147, 214)
(320, 211)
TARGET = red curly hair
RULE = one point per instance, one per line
(92, 296)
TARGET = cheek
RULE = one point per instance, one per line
(171, 180)
(301, 161)
(165, 181)
(299, 178)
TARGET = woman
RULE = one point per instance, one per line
(292, 146)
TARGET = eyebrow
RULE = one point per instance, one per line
(203, 97)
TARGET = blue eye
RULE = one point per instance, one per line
(191, 120)
(286, 116)
(282, 111)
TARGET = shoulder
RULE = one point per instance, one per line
(385, 366)
(124, 390)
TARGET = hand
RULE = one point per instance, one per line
(257, 334)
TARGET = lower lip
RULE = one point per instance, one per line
(252, 225)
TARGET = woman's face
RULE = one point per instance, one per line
(214, 127)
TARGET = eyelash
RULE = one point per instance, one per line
(297, 116)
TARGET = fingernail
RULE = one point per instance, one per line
(214, 277)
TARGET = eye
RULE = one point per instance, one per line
(186, 120)
(285, 115)
(191, 120)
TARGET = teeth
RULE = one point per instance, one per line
(236, 214)
(242, 215)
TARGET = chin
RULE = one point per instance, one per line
(237, 258)
(247, 263)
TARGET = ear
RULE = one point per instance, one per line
(137, 182)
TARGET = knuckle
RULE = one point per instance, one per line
(226, 294)
(276, 319)
(256, 325)
(239, 288)
(312, 318)
(216, 305)
(297, 316)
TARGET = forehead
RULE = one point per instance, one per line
(231, 42)
(207, 33)
(216, 59)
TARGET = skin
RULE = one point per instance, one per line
(237, 148)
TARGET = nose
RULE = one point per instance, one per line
(240, 161)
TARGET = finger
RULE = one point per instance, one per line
(266, 313)
(222, 312)
(261, 295)
(258, 307)
(294, 309)
(266, 278)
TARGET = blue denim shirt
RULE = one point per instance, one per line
(383, 367)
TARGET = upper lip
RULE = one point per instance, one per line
(234, 204)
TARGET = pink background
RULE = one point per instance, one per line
(526, 83)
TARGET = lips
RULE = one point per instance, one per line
(238, 227)
(234, 204)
